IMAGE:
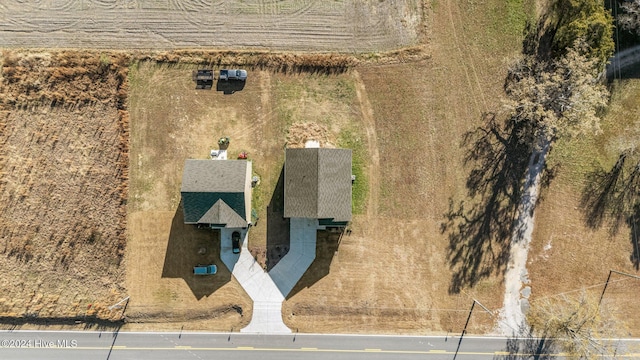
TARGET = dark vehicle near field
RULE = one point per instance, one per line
(203, 79)
(235, 241)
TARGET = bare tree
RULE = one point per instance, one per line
(579, 325)
(630, 20)
(561, 97)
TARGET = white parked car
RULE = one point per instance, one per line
(235, 74)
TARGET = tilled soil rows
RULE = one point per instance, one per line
(321, 25)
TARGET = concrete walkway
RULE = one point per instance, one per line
(302, 252)
(268, 290)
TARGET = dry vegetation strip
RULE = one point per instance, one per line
(63, 183)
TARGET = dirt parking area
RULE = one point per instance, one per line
(318, 25)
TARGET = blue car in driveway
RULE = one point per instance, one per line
(205, 270)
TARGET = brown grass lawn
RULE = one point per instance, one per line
(567, 254)
(391, 274)
(173, 122)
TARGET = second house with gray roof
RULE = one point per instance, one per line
(318, 185)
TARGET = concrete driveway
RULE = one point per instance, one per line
(268, 290)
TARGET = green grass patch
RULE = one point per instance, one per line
(517, 13)
(323, 99)
(133, 75)
(354, 140)
(286, 93)
(500, 22)
(261, 194)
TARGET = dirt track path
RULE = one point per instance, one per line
(470, 69)
(512, 314)
(348, 25)
(372, 146)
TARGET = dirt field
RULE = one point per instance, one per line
(318, 25)
(63, 184)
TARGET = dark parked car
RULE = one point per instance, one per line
(235, 240)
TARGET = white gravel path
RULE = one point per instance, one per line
(517, 290)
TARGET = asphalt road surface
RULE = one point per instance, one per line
(188, 345)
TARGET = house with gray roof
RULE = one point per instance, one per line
(317, 185)
(217, 193)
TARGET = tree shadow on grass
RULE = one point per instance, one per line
(326, 246)
(634, 223)
(278, 241)
(189, 246)
(613, 195)
(539, 37)
(600, 197)
(480, 228)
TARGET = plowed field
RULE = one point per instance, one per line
(345, 25)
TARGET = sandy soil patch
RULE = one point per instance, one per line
(300, 133)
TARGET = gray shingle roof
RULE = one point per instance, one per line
(221, 213)
(214, 175)
(318, 183)
(214, 192)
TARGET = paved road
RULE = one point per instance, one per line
(157, 346)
